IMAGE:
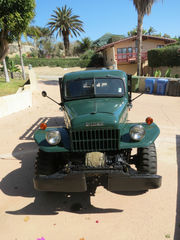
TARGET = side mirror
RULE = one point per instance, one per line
(44, 94)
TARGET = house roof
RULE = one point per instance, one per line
(144, 37)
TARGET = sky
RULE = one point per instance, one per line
(113, 16)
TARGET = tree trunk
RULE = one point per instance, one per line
(12, 75)
(5, 71)
(3, 45)
(21, 57)
(139, 41)
(66, 43)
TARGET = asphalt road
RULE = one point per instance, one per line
(26, 214)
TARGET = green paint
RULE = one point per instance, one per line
(107, 111)
(96, 123)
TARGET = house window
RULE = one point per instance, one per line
(130, 51)
(124, 53)
(121, 53)
(160, 46)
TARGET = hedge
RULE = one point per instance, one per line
(53, 62)
(93, 61)
(168, 56)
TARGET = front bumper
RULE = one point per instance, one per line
(114, 181)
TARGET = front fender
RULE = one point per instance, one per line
(151, 133)
(63, 146)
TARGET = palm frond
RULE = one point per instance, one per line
(143, 7)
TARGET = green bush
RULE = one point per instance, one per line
(157, 73)
(88, 59)
(176, 75)
(87, 55)
(91, 59)
(168, 56)
(61, 62)
(168, 73)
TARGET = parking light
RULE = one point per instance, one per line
(43, 126)
(149, 120)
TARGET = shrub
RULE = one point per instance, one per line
(157, 73)
(168, 73)
(60, 62)
(91, 59)
(176, 75)
(168, 56)
(88, 59)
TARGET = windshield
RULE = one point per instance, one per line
(101, 87)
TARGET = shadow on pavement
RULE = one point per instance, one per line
(177, 226)
(51, 122)
(20, 183)
(51, 203)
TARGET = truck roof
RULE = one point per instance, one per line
(94, 74)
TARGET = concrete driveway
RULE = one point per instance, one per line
(29, 215)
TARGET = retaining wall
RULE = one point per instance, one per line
(16, 102)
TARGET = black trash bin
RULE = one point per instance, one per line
(173, 88)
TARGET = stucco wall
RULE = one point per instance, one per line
(108, 57)
(15, 102)
(151, 43)
(147, 44)
(125, 44)
(128, 68)
(174, 70)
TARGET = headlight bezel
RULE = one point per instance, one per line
(137, 132)
(53, 137)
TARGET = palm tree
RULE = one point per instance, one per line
(151, 31)
(33, 32)
(134, 32)
(21, 57)
(65, 24)
(143, 7)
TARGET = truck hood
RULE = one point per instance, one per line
(93, 112)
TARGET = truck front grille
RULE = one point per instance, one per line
(94, 140)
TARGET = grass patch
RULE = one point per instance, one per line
(11, 87)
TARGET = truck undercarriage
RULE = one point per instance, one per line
(86, 171)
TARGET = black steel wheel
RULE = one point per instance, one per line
(147, 160)
(45, 163)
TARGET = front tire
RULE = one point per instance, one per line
(147, 160)
(45, 163)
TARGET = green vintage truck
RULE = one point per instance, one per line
(94, 148)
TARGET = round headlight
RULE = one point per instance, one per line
(137, 132)
(53, 137)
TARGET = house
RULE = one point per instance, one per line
(122, 54)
